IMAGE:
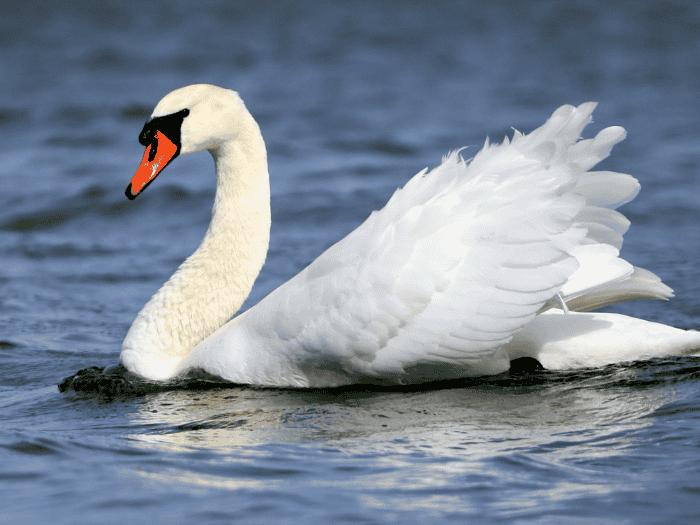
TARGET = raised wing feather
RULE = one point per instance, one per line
(458, 260)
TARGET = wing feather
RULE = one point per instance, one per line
(460, 258)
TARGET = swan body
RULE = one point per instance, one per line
(469, 266)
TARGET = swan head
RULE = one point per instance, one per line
(190, 119)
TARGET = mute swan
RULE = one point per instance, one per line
(469, 266)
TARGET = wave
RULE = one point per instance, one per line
(98, 202)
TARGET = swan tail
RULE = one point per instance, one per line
(641, 284)
(588, 340)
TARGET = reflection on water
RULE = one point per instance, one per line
(399, 451)
(479, 421)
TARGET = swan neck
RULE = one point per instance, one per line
(212, 284)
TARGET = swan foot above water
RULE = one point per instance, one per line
(456, 276)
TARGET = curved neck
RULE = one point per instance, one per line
(212, 284)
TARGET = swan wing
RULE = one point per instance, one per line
(460, 259)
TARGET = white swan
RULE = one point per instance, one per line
(457, 275)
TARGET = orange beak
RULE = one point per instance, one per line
(157, 156)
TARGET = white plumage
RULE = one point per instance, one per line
(455, 276)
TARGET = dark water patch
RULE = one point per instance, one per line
(81, 338)
(662, 371)
(386, 146)
(80, 140)
(678, 410)
(119, 504)
(595, 441)
(222, 421)
(63, 250)
(135, 112)
(75, 116)
(118, 208)
(37, 222)
(20, 476)
(265, 472)
(94, 192)
(107, 58)
(112, 278)
(533, 466)
(175, 193)
(10, 116)
(38, 447)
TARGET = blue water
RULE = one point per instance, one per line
(352, 98)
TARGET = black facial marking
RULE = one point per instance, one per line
(169, 125)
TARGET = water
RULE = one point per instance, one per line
(353, 99)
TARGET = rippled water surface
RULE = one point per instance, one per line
(352, 98)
